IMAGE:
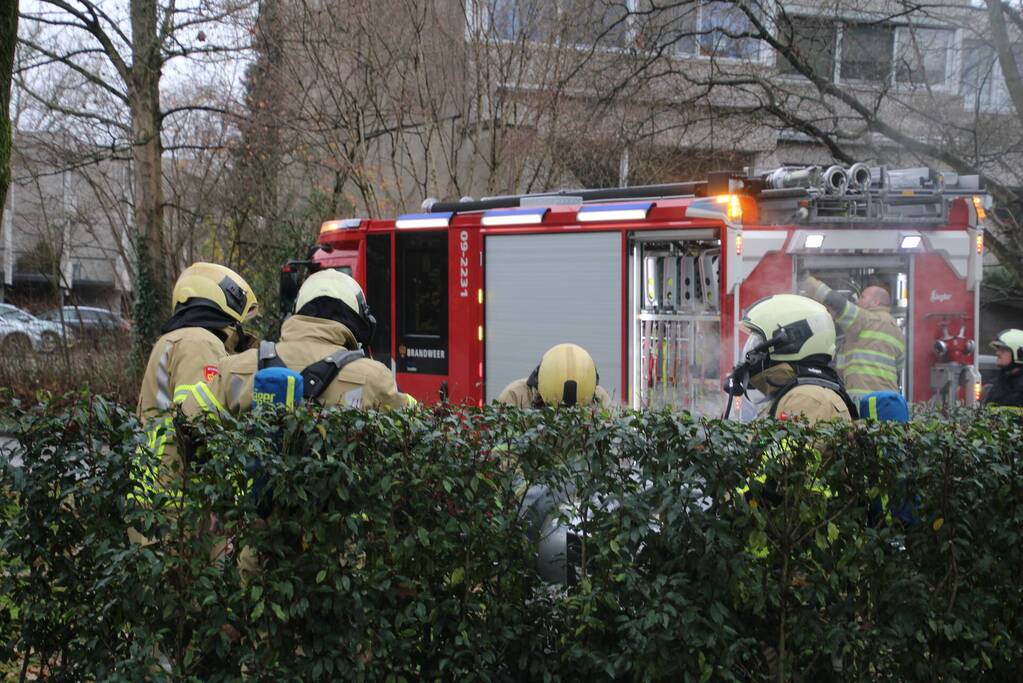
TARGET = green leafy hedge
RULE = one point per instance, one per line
(396, 551)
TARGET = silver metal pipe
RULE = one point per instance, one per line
(790, 177)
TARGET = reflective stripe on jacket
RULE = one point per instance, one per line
(874, 350)
(180, 360)
(364, 383)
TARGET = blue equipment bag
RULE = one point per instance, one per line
(273, 385)
(884, 405)
(901, 507)
(277, 385)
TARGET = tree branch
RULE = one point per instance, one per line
(90, 23)
(167, 113)
(68, 61)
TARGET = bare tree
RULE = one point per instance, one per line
(8, 39)
(118, 57)
(385, 103)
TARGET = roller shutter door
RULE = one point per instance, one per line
(543, 290)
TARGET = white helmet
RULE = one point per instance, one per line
(800, 327)
(1011, 339)
(333, 285)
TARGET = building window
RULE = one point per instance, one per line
(814, 39)
(604, 23)
(534, 20)
(566, 22)
(673, 26)
(867, 52)
(922, 56)
(981, 83)
(725, 30)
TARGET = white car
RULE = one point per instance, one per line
(21, 332)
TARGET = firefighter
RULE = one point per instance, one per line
(331, 317)
(1007, 389)
(566, 376)
(874, 349)
(787, 357)
(787, 354)
(210, 304)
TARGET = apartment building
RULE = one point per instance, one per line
(493, 96)
(65, 226)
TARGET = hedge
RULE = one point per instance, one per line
(396, 550)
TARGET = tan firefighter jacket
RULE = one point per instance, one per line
(364, 383)
(874, 350)
(180, 360)
(520, 395)
(812, 402)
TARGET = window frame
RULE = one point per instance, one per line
(840, 25)
(836, 27)
(763, 51)
(998, 100)
(949, 82)
(843, 25)
(479, 18)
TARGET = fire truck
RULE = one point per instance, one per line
(654, 280)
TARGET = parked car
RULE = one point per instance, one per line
(21, 332)
(89, 322)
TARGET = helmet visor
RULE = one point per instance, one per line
(754, 340)
(252, 313)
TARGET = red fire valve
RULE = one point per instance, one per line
(956, 349)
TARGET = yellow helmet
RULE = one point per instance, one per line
(1011, 339)
(333, 284)
(801, 327)
(213, 285)
(567, 376)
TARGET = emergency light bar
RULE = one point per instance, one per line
(635, 211)
(340, 224)
(726, 207)
(515, 216)
(424, 220)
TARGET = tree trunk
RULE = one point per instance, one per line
(8, 39)
(151, 295)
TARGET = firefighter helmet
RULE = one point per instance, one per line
(1011, 339)
(333, 284)
(800, 328)
(567, 376)
(214, 286)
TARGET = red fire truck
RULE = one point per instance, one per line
(654, 280)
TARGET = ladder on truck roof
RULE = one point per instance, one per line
(790, 194)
